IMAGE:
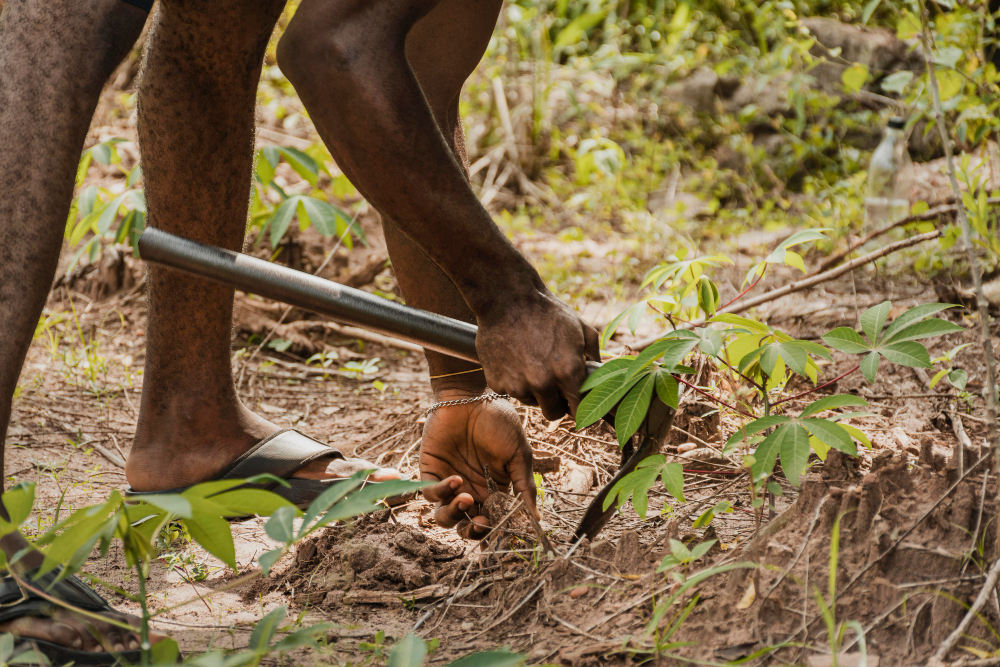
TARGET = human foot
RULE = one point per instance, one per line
(197, 444)
(459, 441)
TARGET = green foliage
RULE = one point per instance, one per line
(637, 483)
(680, 554)
(895, 343)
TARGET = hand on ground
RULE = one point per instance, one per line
(458, 441)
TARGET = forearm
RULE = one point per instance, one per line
(375, 119)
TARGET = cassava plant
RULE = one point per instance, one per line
(758, 360)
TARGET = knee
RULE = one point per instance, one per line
(333, 43)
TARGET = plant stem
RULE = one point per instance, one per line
(740, 295)
(717, 400)
(963, 219)
(822, 386)
(144, 644)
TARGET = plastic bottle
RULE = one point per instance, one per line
(890, 175)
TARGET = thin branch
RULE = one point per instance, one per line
(717, 400)
(805, 283)
(931, 214)
(752, 285)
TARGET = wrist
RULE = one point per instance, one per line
(459, 386)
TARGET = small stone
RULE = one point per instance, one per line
(686, 447)
(468, 625)
(333, 599)
(579, 592)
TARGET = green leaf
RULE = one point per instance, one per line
(281, 218)
(869, 366)
(577, 29)
(958, 378)
(756, 426)
(264, 168)
(173, 503)
(606, 371)
(873, 320)
(212, 532)
(281, 526)
(490, 659)
(265, 629)
(831, 434)
(869, 9)
(847, 340)
(793, 444)
(937, 378)
(303, 165)
(633, 408)
(409, 652)
(745, 322)
(333, 494)
(18, 501)
(667, 388)
(916, 314)
(854, 77)
(858, 435)
(600, 400)
(672, 476)
(896, 82)
(766, 455)
(833, 402)
(701, 549)
(924, 329)
(907, 353)
(267, 560)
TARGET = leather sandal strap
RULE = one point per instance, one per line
(70, 590)
(283, 454)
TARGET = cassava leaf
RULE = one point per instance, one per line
(873, 320)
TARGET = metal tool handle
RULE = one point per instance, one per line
(342, 303)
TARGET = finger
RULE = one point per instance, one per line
(461, 507)
(442, 492)
(552, 402)
(524, 395)
(475, 529)
(570, 383)
(591, 342)
(524, 481)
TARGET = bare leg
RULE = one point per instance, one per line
(196, 130)
(55, 56)
(442, 49)
(349, 62)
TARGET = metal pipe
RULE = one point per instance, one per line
(344, 304)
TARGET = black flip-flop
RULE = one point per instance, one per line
(17, 602)
(282, 455)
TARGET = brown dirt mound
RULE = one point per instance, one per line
(372, 560)
(907, 560)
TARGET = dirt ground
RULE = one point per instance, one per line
(905, 561)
